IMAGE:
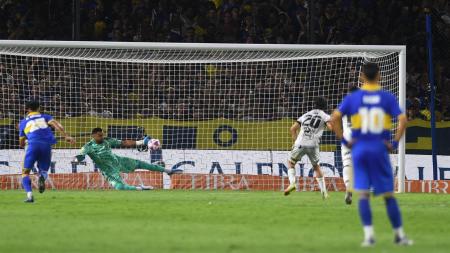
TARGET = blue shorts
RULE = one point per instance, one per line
(372, 167)
(40, 153)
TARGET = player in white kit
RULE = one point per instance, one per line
(311, 126)
(347, 165)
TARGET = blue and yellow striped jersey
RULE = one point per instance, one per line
(370, 110)
(35, 128)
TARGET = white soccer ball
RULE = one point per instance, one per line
(154, 144)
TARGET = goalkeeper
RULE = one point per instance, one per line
(111, 165)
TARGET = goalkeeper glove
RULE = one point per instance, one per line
(146, 140)
(78, 159)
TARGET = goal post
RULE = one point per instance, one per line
(219, 109)
(402, 101)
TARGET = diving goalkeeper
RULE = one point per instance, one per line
(111, 165)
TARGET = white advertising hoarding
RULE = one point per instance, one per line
(226, 162)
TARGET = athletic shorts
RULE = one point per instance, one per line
(298, 152)
(40, 153)
(372, 167)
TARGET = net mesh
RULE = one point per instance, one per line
(221, 115)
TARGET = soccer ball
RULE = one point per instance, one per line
(154, 144)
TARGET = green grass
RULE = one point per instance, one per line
(202, 221)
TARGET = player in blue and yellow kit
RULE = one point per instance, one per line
(36, 135)
(371, 111)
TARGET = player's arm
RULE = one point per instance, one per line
(129, 143)
(22, 136)
(294, 130)
(335, 124)
(58, 127)
(82, 155)
(395, 111)
(402, 120)
(133, 143)
(336, 118)
(22, 141)
(327, 119)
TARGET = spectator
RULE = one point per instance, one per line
(231, 21)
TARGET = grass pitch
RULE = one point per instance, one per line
(202, 221)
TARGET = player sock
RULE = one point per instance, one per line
(399, 232)
(346, 175)
(393, 212)
(26, 183)
(291, 175)
(321, 183)
(368, 232)
(364, 212)
(129, 188)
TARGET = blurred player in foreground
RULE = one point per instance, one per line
(37, 136)
(347, 170)
(371, 111)
(311, 126)
(111, 165)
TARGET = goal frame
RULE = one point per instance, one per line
(400, 49)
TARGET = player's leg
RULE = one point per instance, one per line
(347, 173)
(43, 164)
(28, 164)
(130, 165)
(362, 185)
(314, 157)
(395, 217)
(383, 179)
(152, 167)
(295, 155)
(365, 213)
(116, 181)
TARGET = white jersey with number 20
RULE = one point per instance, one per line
(312, 125)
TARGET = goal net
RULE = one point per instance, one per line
(222, 112)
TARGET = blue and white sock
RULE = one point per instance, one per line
(395, 217)
(366, 218)
(26, 183)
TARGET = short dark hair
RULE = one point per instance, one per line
(320, 103)
(32, 105)
(370, 70)
(97, 130)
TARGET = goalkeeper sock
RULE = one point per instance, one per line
(26, 183)
(291, 176)
(393, 212)
(122, 186)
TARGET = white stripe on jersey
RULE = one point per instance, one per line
(312, 125)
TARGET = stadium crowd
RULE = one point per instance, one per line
(230, 21)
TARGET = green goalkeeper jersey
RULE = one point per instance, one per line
(102, 155)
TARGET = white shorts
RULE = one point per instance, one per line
(298, 152)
